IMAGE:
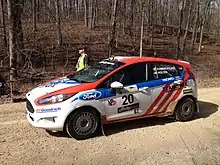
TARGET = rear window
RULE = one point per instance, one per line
(165, 70)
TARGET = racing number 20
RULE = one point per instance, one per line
(128, 99)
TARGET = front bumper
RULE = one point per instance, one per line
(53, 123)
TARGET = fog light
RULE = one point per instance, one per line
(48, 119)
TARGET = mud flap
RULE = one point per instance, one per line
(102, 129)
(197, 106)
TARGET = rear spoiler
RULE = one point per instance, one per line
(185, 63)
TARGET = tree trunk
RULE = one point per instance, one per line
(86, 13)
(58, 26)
(12, 43)
(164, 15)
(34, 15)
(15, 9)
(168, 13)
(201, 35)
(151, 23)
(77, 9)
(202, 25)
(94, 14)
(3, 25)
(195, 26)
(132, 13)
(38, 9)
(112, 41)
(61, 4)
(142, 32)
(125, 15)
(178, 52)
(90, 13)
(49, 7)
(68, 6)
(187, 28)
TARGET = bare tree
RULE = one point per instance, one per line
(86, 13)
(59, 34)
(195, 26)
(34, 15)
(132, 13)
(202, 24)
(187, 27)
(181, 9)
(3, 24)
(12, 41)
(150, 26)
(142, 29)
(112, 41)
(94, 13)
(91, 13)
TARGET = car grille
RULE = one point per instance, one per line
(29, 107)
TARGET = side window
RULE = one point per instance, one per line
(127, 76)
(164, 70)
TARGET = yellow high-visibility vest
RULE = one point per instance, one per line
(80, 64)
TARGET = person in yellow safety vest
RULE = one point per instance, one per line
(82, 61)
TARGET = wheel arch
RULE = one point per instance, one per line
(91, 108)
(184, 97)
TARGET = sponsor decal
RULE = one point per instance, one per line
(90, 95)
(134, 107)
(60, 81)
(172, 87)
(75, 99)
(185, 91)
(47, 110)
(112, 102)
(168, 79)
(105, 62)
(164, 68)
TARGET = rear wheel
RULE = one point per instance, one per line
(82, 124)
(185, 110)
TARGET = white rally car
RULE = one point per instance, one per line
(116, 89)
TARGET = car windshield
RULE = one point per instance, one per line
(95, 72)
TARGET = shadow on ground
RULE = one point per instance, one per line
(206, 109)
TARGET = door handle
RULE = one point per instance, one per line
(178, 82)
(143, 89)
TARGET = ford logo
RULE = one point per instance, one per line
(90, 95)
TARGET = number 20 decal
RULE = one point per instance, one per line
(128, 99)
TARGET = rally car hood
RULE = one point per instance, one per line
(52, 86)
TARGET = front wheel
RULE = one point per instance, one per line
(185, 110)
(82, 124)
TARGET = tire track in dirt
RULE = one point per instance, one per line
(12, 122)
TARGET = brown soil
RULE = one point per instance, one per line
(146, 141)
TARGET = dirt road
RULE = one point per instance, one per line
(146, 141)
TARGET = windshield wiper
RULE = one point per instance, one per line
(77, 80)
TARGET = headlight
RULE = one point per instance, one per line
(55, 99)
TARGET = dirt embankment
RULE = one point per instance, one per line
(146, 141)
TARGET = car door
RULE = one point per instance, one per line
(164, 81)
(131, 101)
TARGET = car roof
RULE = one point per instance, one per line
(135, 59)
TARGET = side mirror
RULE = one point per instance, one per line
(116, 85)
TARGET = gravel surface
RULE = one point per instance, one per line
(146, 141)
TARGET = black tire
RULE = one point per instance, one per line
(82, 124)
(185, 110)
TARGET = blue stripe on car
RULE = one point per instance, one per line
(105, 93)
